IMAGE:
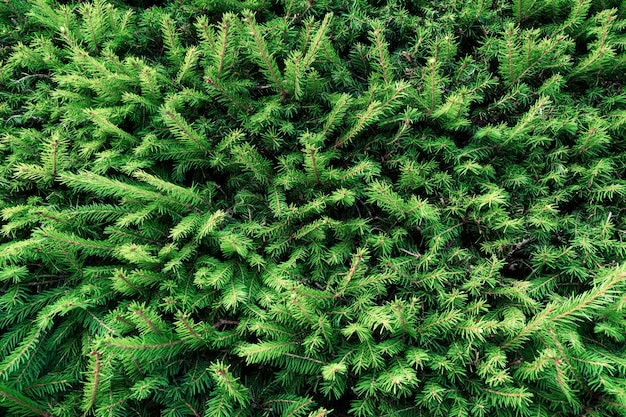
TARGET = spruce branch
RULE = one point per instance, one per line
(341, 104)
(18, 400)
(187, 66)
(264, 57)
(183, 131)
(171, 40)
(360, 255)
(90, 398)
(369, 116)
(20, 355)
(225, 91)
(316, 42)
(381, 51)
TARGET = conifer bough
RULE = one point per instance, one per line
(330, 208)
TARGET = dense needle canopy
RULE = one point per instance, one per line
(312, 208)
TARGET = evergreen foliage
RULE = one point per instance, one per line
(311, 208)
